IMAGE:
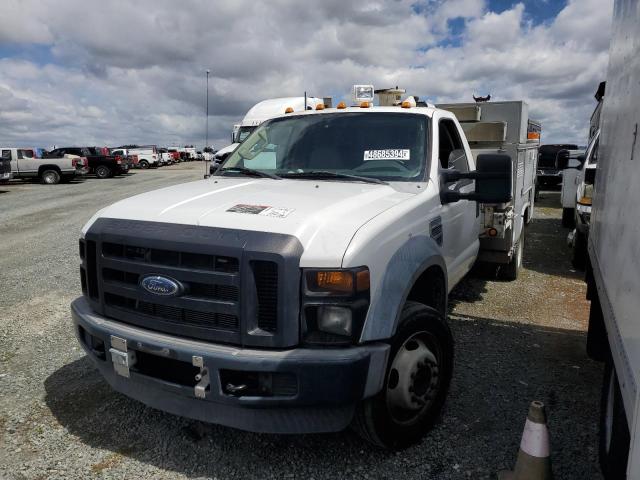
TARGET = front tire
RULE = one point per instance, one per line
(143, 164)
(50, 177)
(102, 171)
(614, 431)
(568, 217)
(416, 381)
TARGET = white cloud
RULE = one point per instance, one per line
(126, 72)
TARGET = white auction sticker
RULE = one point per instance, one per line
(276, 212)
(388, 154)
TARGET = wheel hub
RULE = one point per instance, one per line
(414, 376)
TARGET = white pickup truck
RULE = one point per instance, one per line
(26, 165)
(304, 286)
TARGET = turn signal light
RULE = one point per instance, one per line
(288, 110)
(341, 106)
(492, 232)
(585, 201)
(338, 281)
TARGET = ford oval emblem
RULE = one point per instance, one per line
(159, 285)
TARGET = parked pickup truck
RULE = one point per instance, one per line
(101, 165)
(304, 286)
(50, 170)
(548, 172)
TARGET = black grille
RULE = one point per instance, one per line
(230, 282)
(182, 315)
(206, 308)
(265, 275)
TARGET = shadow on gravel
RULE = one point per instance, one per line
(500, 367)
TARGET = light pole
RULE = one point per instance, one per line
(206, 132)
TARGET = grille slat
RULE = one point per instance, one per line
(168, 258)
(184, 316)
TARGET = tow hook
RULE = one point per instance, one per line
(202, 377)
(235, 390)
(122, 358)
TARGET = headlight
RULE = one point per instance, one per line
(334, 305)
(336, 320)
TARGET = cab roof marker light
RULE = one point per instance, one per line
(341, 106)
(288, 110)
(320, 106)
(365, 105)
(406, 104)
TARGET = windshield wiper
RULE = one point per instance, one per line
(250, 172)
(328, 174)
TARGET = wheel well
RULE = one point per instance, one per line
(430, 289)
(48, 167)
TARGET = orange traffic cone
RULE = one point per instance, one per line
(534, 462)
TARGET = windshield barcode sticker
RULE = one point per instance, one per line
(388, 154)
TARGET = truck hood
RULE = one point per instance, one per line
(323, 215)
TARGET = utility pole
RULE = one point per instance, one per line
(206, 133)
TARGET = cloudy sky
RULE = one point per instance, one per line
(109, 72)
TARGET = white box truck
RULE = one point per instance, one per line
(260, 112)
(613, 273)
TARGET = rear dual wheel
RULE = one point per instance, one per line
(511, 270)
(416, 382)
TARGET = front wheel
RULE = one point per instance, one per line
(416, 381)
(50, 177)
(614, 431)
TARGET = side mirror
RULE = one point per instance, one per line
(493, 177)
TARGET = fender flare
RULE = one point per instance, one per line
(410, 261)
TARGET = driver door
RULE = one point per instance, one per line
(460, 220)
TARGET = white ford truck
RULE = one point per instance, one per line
(301, 288)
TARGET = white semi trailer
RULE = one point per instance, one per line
(613, 273)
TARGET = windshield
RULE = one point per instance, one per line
(386, 146)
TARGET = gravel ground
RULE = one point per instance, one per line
(516, 342)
